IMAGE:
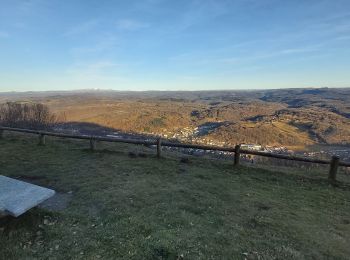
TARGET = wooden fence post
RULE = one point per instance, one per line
(333, 169)
(159, 147)
(41, 139)
(92, 143)
(1, 133)
(237, 154)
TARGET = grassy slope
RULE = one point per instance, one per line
(144, 208)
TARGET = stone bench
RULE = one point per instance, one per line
(16, 197)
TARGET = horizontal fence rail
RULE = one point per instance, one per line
(334, 163)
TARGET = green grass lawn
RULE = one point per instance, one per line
(149, 208)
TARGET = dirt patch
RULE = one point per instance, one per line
(185, 160)
(132, 155)
(262, 206)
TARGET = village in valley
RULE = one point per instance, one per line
(197, 135)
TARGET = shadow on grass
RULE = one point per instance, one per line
(28, 222)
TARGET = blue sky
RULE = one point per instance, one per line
(173, 45)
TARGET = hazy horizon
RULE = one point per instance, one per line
(165, 90)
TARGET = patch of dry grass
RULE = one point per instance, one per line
(145, 208)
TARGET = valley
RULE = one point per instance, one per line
(292, 120)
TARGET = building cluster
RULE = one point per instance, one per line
(191, 135)
(344, 154)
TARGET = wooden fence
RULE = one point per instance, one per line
(333, 168)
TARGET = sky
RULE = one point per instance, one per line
(173, 45)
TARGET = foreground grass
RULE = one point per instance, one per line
(145, 208)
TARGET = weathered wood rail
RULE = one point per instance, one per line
(334, 162)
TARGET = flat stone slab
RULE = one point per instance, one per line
(16, 197)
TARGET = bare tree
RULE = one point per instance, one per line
(27, 115)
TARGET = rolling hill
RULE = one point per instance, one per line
(293, 118)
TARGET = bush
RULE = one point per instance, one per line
(26, 115)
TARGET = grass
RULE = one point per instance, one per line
(146, 208)
(303, 137)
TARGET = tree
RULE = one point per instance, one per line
(27, 115)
